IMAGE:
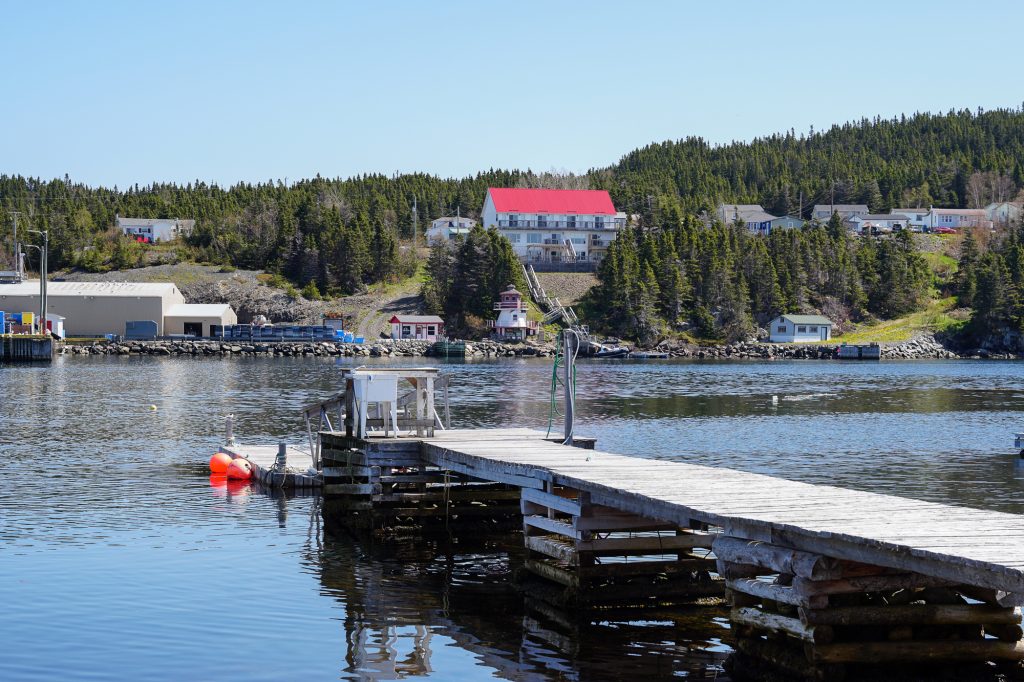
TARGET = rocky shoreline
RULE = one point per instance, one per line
(922, 348)
(383, 348)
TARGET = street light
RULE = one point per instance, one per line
(43, 262)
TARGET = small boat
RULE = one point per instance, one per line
(649, 355)
(615, 352)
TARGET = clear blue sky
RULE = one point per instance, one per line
(126, 92)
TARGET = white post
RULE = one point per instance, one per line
(229, 427)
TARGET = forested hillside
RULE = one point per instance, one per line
(335, 236)
(910, 161)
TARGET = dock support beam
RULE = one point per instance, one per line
(583, 555)
(386, 489)
(805, 615)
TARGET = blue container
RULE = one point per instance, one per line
(358, 339)
(3, 323)
(15, 318)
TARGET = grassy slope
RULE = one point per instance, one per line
(939, 316)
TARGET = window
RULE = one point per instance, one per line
(406, 329)
(598, 222)
(812, 328)
(781, 329)
(578, 240)
(801, 330)
(513, 237)
(513, 220)
(533, 238)
(570, 222)
(431, 330)
(542, 221)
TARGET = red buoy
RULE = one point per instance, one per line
(240, 469)
(219, 462)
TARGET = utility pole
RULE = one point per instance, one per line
(17, 248)
(43, 263)
(415, 216)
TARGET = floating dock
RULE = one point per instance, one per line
(852, 351)
(278, 466)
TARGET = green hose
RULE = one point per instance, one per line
(556, 382)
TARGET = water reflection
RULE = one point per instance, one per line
(121, 557)
(410, 610)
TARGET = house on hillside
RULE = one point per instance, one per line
(417, 327)
(787, 222)
(823, 212)
(957, 218)
(448, 228)
(754, 217)
(512, 323)
(554, 226)
(1004, 213)
(155, 229)
(917, 218)
(800, 328)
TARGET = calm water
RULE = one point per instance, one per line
(119, 559)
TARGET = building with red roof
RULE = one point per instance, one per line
(554, 226)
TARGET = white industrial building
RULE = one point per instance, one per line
(554, 225)
(155, 229)
(98, 308)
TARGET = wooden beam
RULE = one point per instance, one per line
(776, 593)
(900, 652)
(551, 526)
(551, 501)
(773, 622)
(912, 614)
(882, 583)
(779, 559)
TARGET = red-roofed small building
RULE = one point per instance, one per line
(554, 225)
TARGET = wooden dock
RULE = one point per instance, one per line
(819, 577)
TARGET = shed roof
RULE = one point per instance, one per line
(198, 310)
(883, 216)
(416, 319)
(960, 211)
(523, 200)
(114, 289)
(150, 222)
(840, 208)
(807, 319)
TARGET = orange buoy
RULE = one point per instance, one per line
(219, 462)
(240, 469)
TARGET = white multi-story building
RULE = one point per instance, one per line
(155, 229)
(554, 225)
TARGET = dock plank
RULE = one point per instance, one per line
(942, 541)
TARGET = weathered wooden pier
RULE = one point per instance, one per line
(822, 581)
